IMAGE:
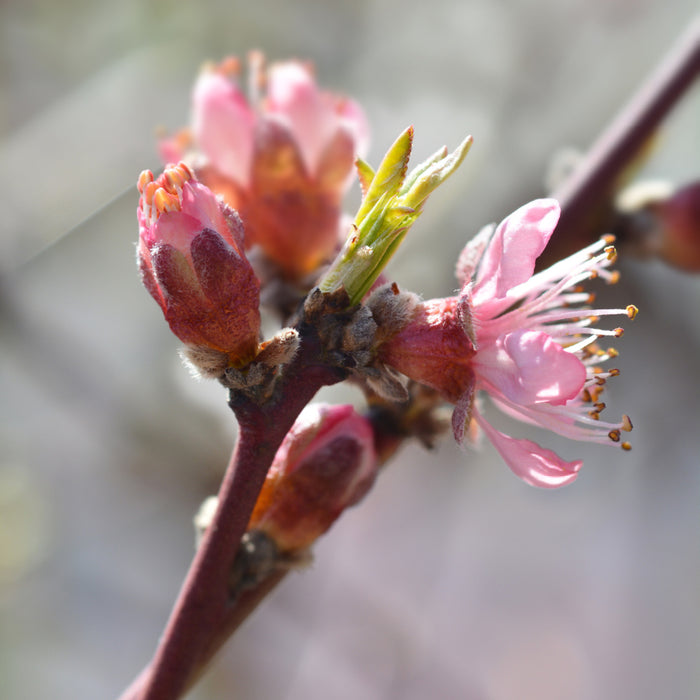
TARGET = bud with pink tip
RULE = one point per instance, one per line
(191, 258)
(325, 464)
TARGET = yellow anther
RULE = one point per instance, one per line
(144, 178)
(614, 372)
(149, 191)
(614, 435)
(612, 352)
(596, 391)
(632, 310)
(164, 201)
(626, 423)
(594, 415)
(619, 332)
(609, 239)
(610, 252)
(171, 181)
(626, 446)
(185, 170)
(614, 277)
(176, 176)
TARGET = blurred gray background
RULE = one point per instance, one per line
(452, 579)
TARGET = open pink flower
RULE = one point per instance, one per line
(282, 158)
(523, 338)
(192, 262)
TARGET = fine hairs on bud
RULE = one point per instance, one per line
(391, 309)
(257, 379)
(203, 362)
(280, 349)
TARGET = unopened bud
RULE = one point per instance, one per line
(658, 220)
(191, 258)
(325, 464)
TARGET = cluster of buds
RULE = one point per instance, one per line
(262, 178)
(282, 157)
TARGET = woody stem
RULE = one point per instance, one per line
(585, 196)
(203, 603)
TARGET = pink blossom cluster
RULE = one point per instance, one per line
(269, 170)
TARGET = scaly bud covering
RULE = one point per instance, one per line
(325, 464)
(192, 262)
(517, 336)
(391, 204)
(282, 159)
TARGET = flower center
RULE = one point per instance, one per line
(164, 193)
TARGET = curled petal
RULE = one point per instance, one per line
(534, 464)
(530, 367)
(355, 121)
(509, 259)
(335, 166)
(223, 124)
(294, 96)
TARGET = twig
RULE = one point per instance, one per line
(585, 196)
(203, 604)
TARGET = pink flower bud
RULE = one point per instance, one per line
(325, 464)
(680, 223)
(191, 258)
(282, 159)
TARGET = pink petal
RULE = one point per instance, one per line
(294, 95)
(200, 209)
(223, 125)
(529, 367)
(534, 464)
(509, 259)
(170, 150)
(354, 119)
